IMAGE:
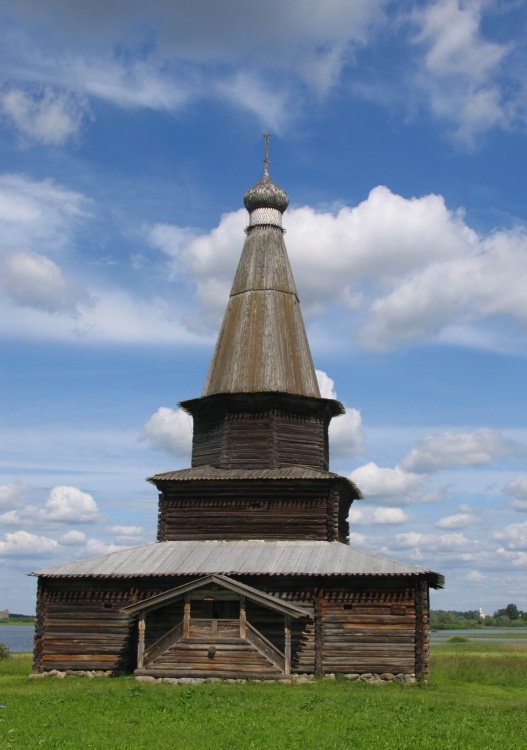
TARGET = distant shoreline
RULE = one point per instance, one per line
(17, 621)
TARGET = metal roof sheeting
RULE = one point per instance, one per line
(252, 557)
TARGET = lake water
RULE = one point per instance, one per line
(17, 637)
(20, 637)
(490, 634)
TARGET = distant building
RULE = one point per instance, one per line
(252, 574)
(4, 614)
(481, 614)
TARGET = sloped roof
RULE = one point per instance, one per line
(211, 473)
(262, 345)
(251, 557)
(267, 600)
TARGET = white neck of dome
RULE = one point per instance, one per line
(265, 217)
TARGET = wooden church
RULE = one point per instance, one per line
(252, 574)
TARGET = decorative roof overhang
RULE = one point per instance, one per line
(211, 474)
(224, 582)
(261, 401)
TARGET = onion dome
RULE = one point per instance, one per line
(265, 194)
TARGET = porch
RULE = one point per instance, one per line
(212, 636)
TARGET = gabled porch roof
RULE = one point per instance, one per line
(266, 600)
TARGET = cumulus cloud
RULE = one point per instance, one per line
(457, 521)
(12, 496)
(44, 115)
(458, 449)
(326, 384)
(23, 544)
(408, 270)
(128, 534)
(70, 504)
(387, 486)
(357, 540)
(169, 431)
(460, 68)
(94, 547)
(346, 437)
(73, 537)
(376, 516)
(518, 489)
(513, 537)
(455, 546)
(33, 280)
(389, 516)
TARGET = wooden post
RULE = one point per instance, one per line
(141, 641)
(422, 631)
(186, 617)
(243, 618)
(287, 646)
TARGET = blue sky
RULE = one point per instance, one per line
(129, 133)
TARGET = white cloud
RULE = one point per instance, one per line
(346, 437)
(486, 279)
(376, 516)
(389, 516)
(44, 115)
(457, 521)
(407, 269)
(38, 214)
(475, 577)
(459, 72)
(128, 534)
(168, 55)
(518, 489)
(357, 540)
(70, 504)
(32, 280)
(441, 544)
(23, 544)
(12, 496)
(514, 536)
(356, 516)
(170, 431)
(387, 486)
(326, 384)
(458, 449)
(75, 538)
(94, 547)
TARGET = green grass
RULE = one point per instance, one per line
(476, 698)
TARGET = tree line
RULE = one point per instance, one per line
(509, 616)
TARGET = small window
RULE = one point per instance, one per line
(107, 605)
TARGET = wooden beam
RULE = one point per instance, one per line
(186, 616)
(287, 645)
(141, 641)
(243, 618)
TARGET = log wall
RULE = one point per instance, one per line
(368, 631)
(360, 624)
(253, 509)
(261, 431)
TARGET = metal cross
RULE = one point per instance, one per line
(266, 160)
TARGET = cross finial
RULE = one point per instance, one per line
(266, 160)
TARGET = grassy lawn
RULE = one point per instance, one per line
(476, 698)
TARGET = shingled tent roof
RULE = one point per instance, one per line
(262, 345)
